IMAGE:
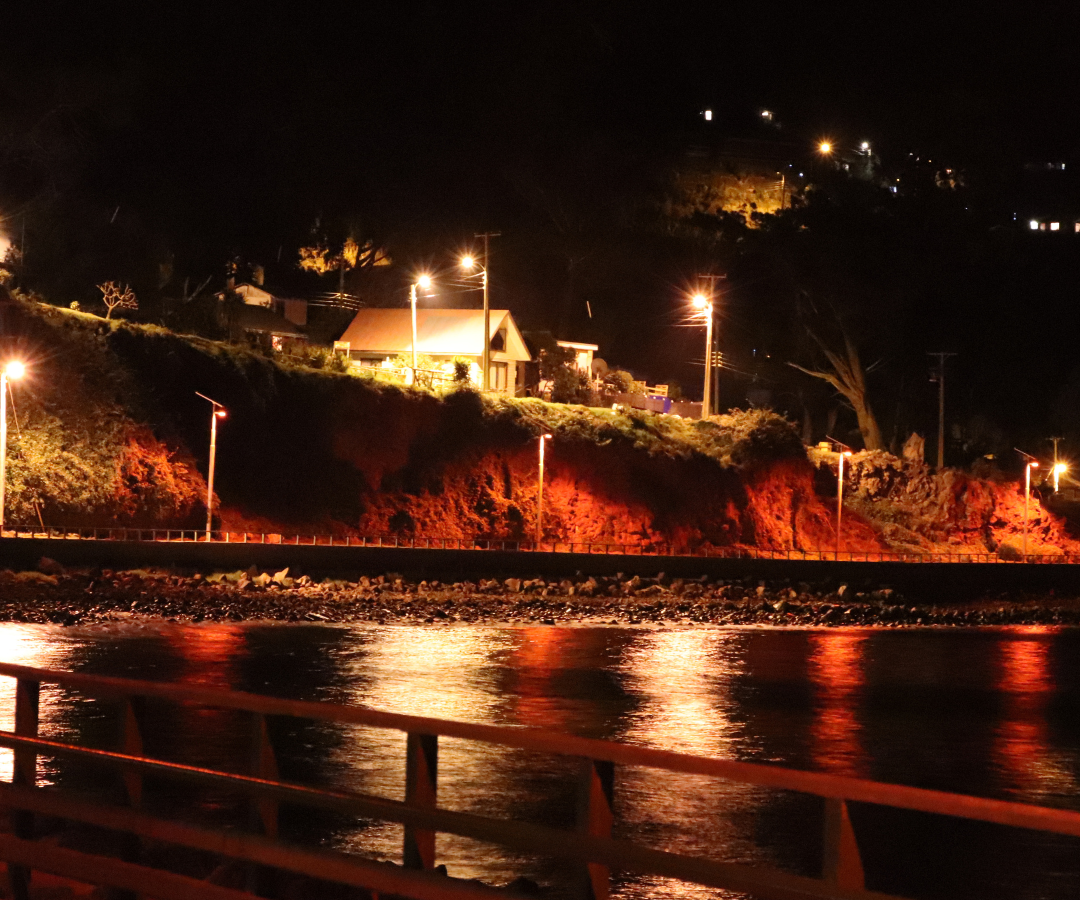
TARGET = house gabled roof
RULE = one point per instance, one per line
(439, 332)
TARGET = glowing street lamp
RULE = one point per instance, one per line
(825, 148)
(540, 493)
(1032, 464)
(217, 411)
(704, 305)
(1059, 470)
(14, 371)
(840, 497)
(468, 263)
(423, 282)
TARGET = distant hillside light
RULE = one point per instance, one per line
(1034, 224)
(467, 262)
(865, 146)
(424, 282)
(825, 148)
(708, 115)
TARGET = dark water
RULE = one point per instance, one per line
(994, 713)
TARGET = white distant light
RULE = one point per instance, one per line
(864, 146)
(1055, 226)
(708, 115)
(1033, 225)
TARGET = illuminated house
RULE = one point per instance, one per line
(376, 335)
(255, 312)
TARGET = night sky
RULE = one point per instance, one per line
(204, 132)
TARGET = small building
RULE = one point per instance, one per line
(259, 313)
(583, 355)
(377, 335)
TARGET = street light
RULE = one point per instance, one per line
(840, 498)
(1032, 464)
(825, 148)
(1059, 470)
(217, 411)
(704, 305)
(14, 371)
(423, 282)
(540, 493)
(468, 263)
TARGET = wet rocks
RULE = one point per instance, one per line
(86, 597)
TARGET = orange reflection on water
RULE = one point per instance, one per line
(27, 645)
(210, 654)
(675, 672)
(836, 669)
(1021, 748)
(540, 653)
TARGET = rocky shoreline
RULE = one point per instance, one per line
(52, 595)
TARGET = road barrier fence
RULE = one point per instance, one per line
(635, 548)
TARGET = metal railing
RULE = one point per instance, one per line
(414, 542)
(590, 849)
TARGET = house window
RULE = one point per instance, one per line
(1054, 226)
(498, 342)
(1033, 225)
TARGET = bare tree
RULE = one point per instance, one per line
(117, 297)
(847, 375)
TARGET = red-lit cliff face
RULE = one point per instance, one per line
(422, 482)
(912, 508)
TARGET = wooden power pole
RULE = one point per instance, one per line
(939, 376)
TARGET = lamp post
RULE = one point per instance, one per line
(217, 411)
(540, 492)
(468, 263)
(1032, 464)
(13, 371)
(704, 305)
(422, 282)
(840, 498)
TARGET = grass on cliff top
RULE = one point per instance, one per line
(740, 437)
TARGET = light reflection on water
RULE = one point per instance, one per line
(992, 713)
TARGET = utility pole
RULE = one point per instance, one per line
(485, 378)
(939, 376)
(708, 400)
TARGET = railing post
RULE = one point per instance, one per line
(24, 773)
(131, 744)
(842, 865)
(264, 810)
(594, 818)
(421, 783)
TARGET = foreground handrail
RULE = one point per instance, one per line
(591, 848)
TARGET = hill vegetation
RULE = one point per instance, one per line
(111, 431)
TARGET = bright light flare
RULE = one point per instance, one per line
(700, 301)
(865, 146)
(220, 413)
(467, 262)
(825, 148)
(15, 370)
(1061, 468)
(424, 282)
